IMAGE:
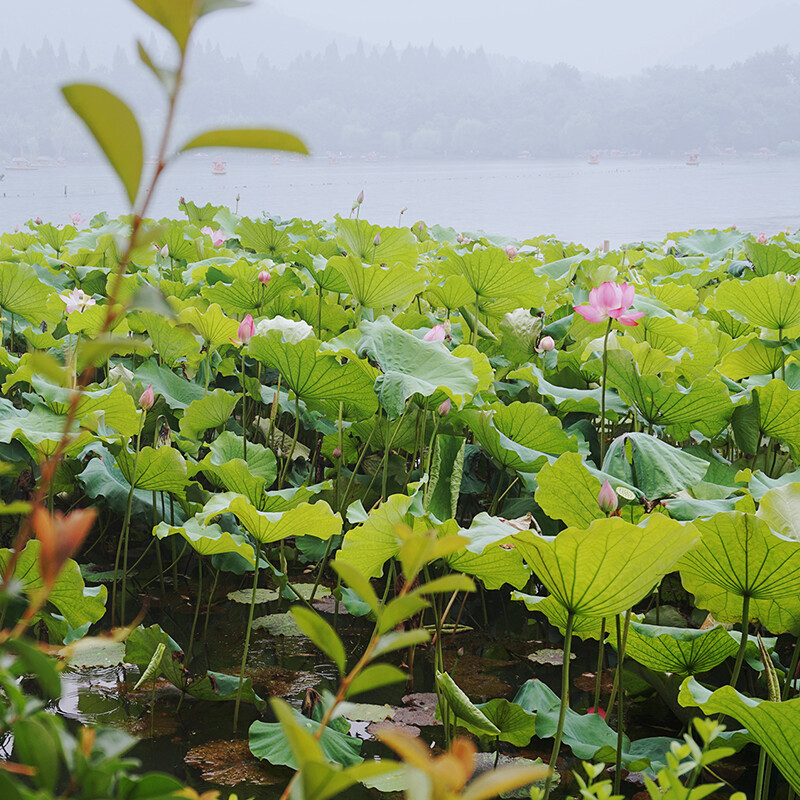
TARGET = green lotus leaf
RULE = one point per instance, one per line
(739, 556)
(653, 466)
(684, 651)
(492, 276)
(715, 244)
(376, 286)
(113, 405)
(224, 465)
(705, 405)
(756, 357)
(769, 302)
(175, 389)
(143, 643)
(780, 509)
(779, 408)
(208, 540)
(411, 366)
(772, 725)
(313, 375)
(732, 326)
(23, 294)
(39, 430)
(307, 519)
(520, 436)
(210, 411)
(76, 602)
(444, 485)
(768, 259)
(490, 554)
(250, 296)
(582, 626)
(568, 491)
(161, 470)
(212, 325)
(664, 333)
(173, 344)
(102, 479)
(396, 245)
(568, 400)
(453, 293)
(516, 725)
(588, 735)
(181, 246)
(271, 742)
(606, 568)
(263, 237)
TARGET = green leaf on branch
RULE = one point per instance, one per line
(256, 138)
(112, 123)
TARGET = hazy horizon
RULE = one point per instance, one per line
(622, 37)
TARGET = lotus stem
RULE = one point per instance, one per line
(244, 414)
(737, 667)
(196, 608)
(762, 780)
(321, 568)
(620, 698)
(208, 607)
(247, 637)
(600, 659)
(603, 395)
(475, 321)
(562, 712)
(294, 442)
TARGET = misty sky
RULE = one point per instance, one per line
(616, 37)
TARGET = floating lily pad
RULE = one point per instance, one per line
(229, 762)
(94, 651)
(245, 596)
(549, 655)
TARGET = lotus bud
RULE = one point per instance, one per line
(460, 238)
(246, 329)
(436, 334)
(546, 344)
(238, 198)
(511, 252)
(164, 251)
(593, 710)
(377, 240)
(444, 408)
(182, 201)
(762, 238)
(421, 226)
(264, 276)
(337, 453)
(147, 398)
(607, 499)
(38, 220)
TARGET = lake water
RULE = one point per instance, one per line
(620, 200)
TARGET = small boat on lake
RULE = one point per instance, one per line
(219, 167)
(20, 163)
(693, 160)
(594, 157)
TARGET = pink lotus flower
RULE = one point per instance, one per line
(217, 236)
(611, 300)
(762, 238)
(77, 300)
(511, 252)
(436, 334)
(607, 499)
(546, 344)
(38, 220)
(147, 398)
(337, 453)
(76, 219)
(599, 711)
(246, 329)
(164, 251)
(444, 408)
(264, 276)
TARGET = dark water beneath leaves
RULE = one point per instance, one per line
(618, 199)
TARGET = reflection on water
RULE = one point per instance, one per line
(619, 200)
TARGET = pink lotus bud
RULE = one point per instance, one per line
(337, 453)
(762, 238)
(264, 276)
(436, 334)
(377, 240)
(360, 198)
(246, 329)
(147, 398)
(181, 201)
(38, 220)
(607, 499)
(76, 219)
(421, 226)
(511, 252)
(593, 710)
(164, 251)
(460, 238)
(546, 344)
(444, 408)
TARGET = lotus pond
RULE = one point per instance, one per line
(516, 498)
